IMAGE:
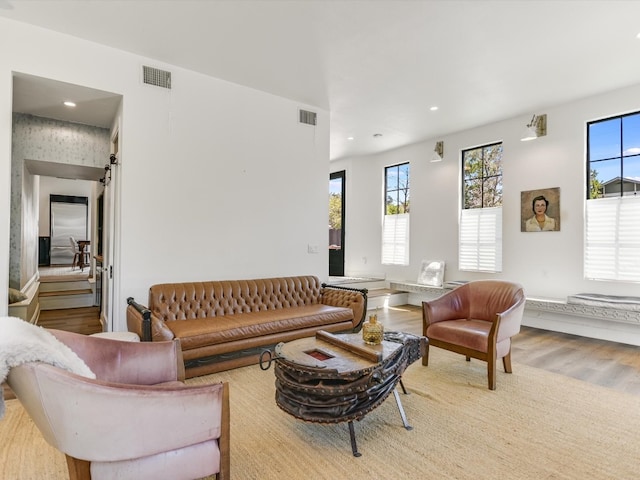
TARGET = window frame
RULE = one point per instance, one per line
(611, 232)
(398, 189)
(396, 225)
(482, 178)
(480, 227)
(621, 154)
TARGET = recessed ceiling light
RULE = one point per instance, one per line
(433, 109)
(638, 36)
(377, 134)
(349, 138)
(69, 104)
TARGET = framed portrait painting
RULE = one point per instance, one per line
(540, 210)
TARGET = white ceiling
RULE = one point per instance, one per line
(377, 66)
(43, 97)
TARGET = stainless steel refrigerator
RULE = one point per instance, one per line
(67, 220)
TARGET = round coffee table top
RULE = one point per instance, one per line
(317, 353)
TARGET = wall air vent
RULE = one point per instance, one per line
(308, 118)
(157, 77)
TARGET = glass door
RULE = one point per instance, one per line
(336, 223)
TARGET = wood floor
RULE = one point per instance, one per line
(609, 364)
(85, 320)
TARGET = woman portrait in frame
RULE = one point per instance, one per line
(540, 210)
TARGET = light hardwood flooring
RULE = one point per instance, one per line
(609, 364)
(84, 320)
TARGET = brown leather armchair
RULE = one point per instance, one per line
(136, 420)
(476, 320)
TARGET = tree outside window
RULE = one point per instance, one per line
(335, 211)
(482, 182)
(397, 189)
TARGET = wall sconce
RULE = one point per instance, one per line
(438, 152)
(107, 175)
(113, 160)
(537, 127)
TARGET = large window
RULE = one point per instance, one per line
(612, 220)
(395, 231)
(480, 236)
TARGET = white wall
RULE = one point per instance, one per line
(548, 264)
(42, 140)
(219, 181)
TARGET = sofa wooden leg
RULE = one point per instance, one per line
(468, 358)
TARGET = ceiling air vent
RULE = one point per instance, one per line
(157, 77)
(307, 117)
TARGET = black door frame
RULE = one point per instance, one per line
(336, 257)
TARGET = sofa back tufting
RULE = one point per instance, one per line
(189, 300)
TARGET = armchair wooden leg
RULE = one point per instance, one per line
(225, 455)
(491, 367)
(425, 357)
(468, 358)
(506, 361)
(78, 469)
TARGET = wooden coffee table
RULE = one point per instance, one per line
(338, 378)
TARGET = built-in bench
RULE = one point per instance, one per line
(592, 305)
(599, 307)
(417, 288)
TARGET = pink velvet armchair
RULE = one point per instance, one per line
(476, 320)
(136, 420)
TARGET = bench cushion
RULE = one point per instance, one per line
(606, 301)
(200, 332)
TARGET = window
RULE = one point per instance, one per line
(612, 229)
(395, 231)
(480, 236)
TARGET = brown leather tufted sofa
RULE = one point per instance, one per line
(228, 323)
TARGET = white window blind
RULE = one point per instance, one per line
(395, 239)
(480, 239)
(612, 239)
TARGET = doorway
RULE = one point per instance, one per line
(336, 223)
(107, 258)
(37, 105)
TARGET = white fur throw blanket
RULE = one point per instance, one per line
(22, 342)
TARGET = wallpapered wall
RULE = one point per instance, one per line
(43, 139)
